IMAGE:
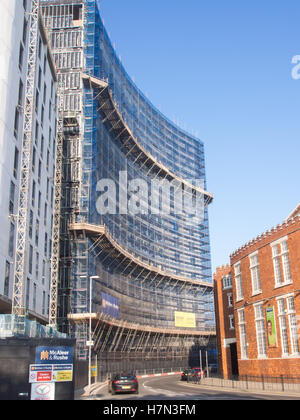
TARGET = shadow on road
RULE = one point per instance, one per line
(164, 397)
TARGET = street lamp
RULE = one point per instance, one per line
(89, 343)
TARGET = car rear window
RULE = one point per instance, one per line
(123, 377)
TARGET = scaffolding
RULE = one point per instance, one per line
(128, 142)
(18, 308)
(141, 279)
(65, 30)
(55, 257)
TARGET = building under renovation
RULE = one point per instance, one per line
(28, 138)
(134, 276)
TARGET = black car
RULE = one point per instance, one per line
(198, 373)
(122, 383)
(186, 375)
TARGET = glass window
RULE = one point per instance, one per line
(293, 325)
(283, 327)
(6, 279)
(11, 240)
(30, 259)
(238, 282)
(260, 331)
(255, 275)
(281, 263)
(27, 293)
(243, 334)
(227, 282)
(16, 163)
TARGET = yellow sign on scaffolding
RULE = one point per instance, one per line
(185, 320)
(94, 371)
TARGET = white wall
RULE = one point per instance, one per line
(11, 35)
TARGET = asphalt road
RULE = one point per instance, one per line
(171, 388)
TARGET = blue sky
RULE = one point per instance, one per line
(222, 70)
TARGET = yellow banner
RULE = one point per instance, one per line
(185, 320)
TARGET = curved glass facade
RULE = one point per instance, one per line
(174, 248)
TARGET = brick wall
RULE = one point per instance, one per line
(275, 363)
(225, 334)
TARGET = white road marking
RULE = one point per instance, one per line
(163, 391)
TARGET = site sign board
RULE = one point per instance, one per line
(54, 355)
(50, 373)
(43, 392)
(40, 373)
(185, 320)
(110, 305)
(271, 327)
(62, 373)
(94, 371)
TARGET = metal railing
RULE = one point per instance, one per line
(280, 383)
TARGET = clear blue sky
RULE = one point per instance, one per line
(222, 70)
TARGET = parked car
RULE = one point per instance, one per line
(196, 372)
(186, 375)
(213, 368)
(122, 383)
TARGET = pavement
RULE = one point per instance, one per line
(287, 394)
(85, 392)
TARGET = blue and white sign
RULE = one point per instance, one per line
(54, 355)
(110, 305)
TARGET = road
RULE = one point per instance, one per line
(171, 388)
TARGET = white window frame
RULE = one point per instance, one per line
(230, 300)
(255, 274)
(243, 334)
(261, 338)
(283, 326)
(277, 265)
(292, 319)
(238, 282)
(227, 282)
(281, 262)
(231, 322)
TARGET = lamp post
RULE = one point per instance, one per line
(90, 344)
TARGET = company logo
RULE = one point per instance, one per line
(44, 355)
(110, 305)
(54, 355)
(42, 390)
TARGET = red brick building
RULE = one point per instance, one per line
(226, 337)
(266, 298)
